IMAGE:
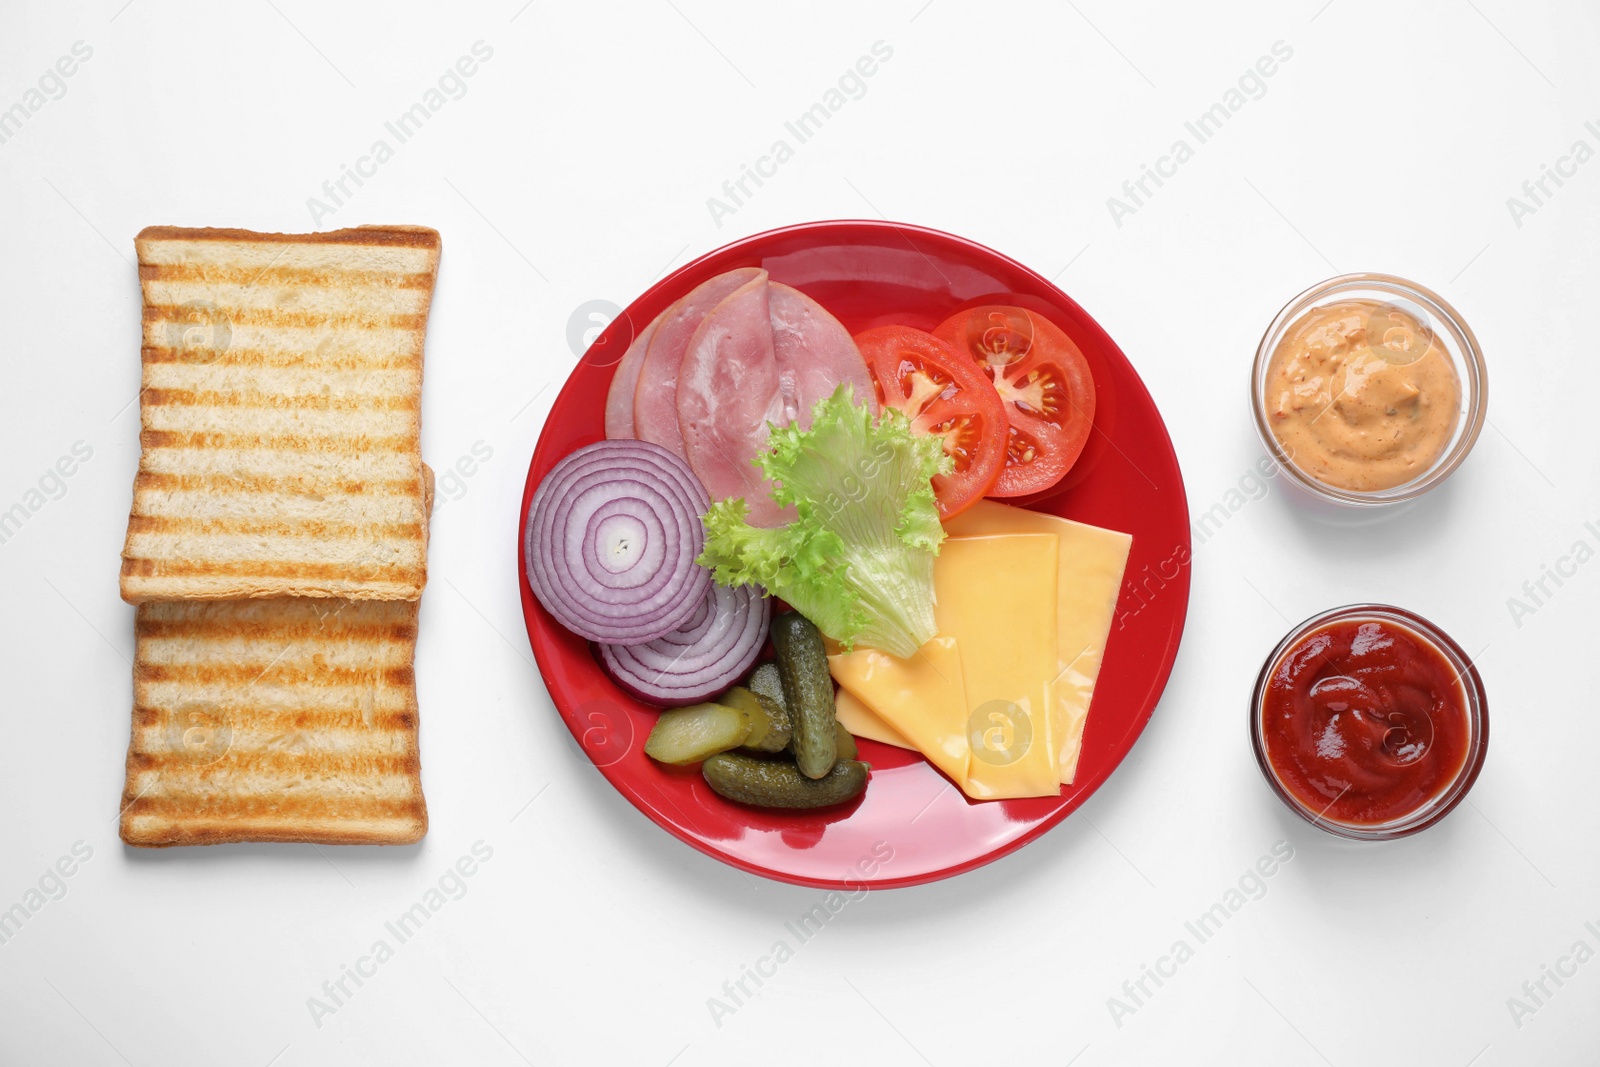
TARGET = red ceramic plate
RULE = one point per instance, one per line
(912, 825)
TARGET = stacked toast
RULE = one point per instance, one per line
(277, 544)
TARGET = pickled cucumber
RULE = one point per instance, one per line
(844, 741)
(770, 729)
(779, 784)
(808, 692)
(765, 681)
(689, 735)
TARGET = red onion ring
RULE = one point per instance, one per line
(710, 652)
(613, 533)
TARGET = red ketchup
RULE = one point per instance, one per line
(1364, 721)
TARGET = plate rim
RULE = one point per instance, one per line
(1159, 677)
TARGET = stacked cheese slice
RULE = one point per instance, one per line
(998, 700)
(277, 545)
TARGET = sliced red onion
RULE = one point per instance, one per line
(710, 652)
(613, 533)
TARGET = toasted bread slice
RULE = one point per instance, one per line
(280, 415)
(287, 719)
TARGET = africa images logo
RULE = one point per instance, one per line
(604, 731)
(51, 85)
(452, 885)
(999, 732)
(587, 322)
(450, 85)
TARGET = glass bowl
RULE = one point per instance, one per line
(1449, 331)
(1474, 702)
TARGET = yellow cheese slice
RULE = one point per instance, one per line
(1089, 578)
(922, 698)
(862, 721)
(996, 595)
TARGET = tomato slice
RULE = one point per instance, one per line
(942, 392)
(1044, 383)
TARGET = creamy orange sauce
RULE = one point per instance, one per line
(1361, 395)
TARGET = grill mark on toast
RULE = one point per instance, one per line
(263, 674)
(289, 814)
(275, 421)
(250, 398)
(327, 626)
(267, 763)
(298, 484)
(233, 356)
(201, 788)
(345, 719)
(276, 528)
(285, 442)
(177, 568)
(275, 277)
(243, 316)
(263, 618)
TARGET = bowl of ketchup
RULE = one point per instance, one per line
(1369, 722)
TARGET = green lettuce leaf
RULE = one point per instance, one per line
(858, 559)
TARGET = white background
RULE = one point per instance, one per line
(576, 168)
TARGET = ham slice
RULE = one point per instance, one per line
(619, 401)
(727, 391)
(815, 355)
(655, 397)
(766, 354)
